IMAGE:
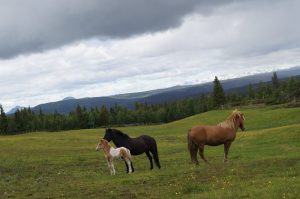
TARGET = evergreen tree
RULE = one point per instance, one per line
(275, 81)
(3, 121)
(219, 98)
(261, 90)
(104, 116)
(251, 93)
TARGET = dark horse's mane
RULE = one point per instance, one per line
(120, 133)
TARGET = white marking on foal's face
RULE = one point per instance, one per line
(99, 147)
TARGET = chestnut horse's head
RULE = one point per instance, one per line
(239, 119)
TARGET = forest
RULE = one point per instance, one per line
(275, 92)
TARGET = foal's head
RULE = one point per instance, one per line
(239, 119)
(103, 144)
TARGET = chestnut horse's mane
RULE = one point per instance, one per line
(230, 122)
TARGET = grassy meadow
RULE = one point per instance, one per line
(264, 162)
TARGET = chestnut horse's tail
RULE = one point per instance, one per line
(190, 142)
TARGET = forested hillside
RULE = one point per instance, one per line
(26, 120)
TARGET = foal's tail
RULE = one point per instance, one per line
(155, 153)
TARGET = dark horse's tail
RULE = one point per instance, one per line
(153, 149)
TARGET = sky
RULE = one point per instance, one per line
(52, 49)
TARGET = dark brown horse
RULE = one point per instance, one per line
(223, 133)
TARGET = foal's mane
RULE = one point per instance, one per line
(120, 133)
(230, 122)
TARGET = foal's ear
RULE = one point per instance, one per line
(104, 141)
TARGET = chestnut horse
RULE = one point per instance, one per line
(222, 133)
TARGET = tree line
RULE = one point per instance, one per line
(25, 120)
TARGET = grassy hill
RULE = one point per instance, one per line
(264, 162)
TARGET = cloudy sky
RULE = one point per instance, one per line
(51, 49)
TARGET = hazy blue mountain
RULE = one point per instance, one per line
(162, 95)
(69, 98)
(13, 110)
(147, 93)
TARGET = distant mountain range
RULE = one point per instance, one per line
(13, 110)
(128, 100)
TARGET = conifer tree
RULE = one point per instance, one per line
(219, 98)
(104, 115)
(3, 121)
(275, 81)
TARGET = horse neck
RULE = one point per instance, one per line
(230, 125)
(107, 149)
(119, 141)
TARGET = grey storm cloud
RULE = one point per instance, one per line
(35, 25)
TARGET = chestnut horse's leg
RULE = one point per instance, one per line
(201, 151)
(150, 158)
(193, 151)
(226, 149)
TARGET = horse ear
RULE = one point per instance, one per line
(105, 141)
(243, 117)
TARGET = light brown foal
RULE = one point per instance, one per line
(110, 153)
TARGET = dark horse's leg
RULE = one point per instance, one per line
(127, 169)
(132, 166)
(201, 151)
(150, 158)
(226, 149)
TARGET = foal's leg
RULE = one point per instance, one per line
(113, 168)
(110, 167)
(150, 158)
(226, 149)
(201, 151)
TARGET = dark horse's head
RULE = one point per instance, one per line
(114, 134)
(108, 134)
(239, 119)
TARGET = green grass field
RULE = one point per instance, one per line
(264, 162)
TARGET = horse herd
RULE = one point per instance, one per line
(198, 136)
